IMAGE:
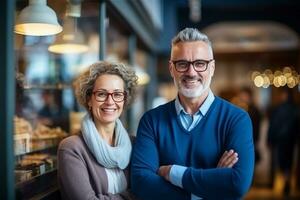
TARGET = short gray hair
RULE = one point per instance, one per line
(191, 35)
(84, 85)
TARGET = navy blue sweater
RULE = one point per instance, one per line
(161, 140)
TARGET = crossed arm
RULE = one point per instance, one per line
(148, 183)
(228, 159)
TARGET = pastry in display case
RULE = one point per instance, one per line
(23, 132)
(34, 165)
(36, 142)
(35, 148)
(35, 145)
(44, 137)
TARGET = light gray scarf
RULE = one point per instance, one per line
(106, 155)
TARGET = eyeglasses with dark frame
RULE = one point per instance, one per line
(198, 65)
(102, 95)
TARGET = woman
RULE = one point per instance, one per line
(92, 165)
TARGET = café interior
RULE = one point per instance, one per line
(256, 46)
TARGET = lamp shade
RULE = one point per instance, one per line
(37, 19)
(70, 41)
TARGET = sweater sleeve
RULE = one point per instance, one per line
(145, 182)
(74, 178)
(231, 183)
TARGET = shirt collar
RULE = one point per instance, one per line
(202, 109)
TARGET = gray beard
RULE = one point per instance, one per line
(192, 93)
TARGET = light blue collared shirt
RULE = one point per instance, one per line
(191, 121)
(188, 122)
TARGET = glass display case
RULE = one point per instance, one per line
(46, 109)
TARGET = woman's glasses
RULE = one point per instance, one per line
(102, 95)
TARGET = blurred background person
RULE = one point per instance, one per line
(52, 114)
(282, 136)
(245, 100)
(24, 106)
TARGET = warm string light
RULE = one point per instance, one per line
(286, 77)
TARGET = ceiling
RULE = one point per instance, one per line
(244, 12)
(283, 11)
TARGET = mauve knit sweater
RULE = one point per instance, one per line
(80, 176)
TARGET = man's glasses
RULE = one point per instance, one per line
(102, 95)
(198, 65)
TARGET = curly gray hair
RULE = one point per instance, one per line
(85, 83)
(191, 35)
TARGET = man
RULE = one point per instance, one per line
(282, 137)
(197, 146)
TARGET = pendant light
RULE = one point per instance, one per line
(70, 41)
(37, 19)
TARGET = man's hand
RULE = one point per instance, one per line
(164, 171)
(228, 159)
